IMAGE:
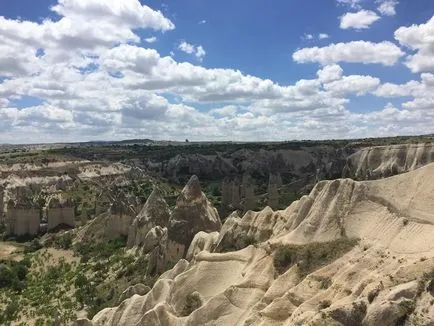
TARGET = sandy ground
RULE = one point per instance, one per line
(10, 250)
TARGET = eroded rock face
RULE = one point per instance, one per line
(384, 161)
(139, 289)
(193, 213)
(154, 212)
(243, 287)
(60, 212)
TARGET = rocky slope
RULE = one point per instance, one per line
(387, 278)
(301, 161)
(384, 161)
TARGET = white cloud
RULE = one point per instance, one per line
(201, 22)
(419, 38)
(330, 73)
(151, 39)
(387, 7)
(197, 51)
(354, 84)
(362, 19)
(95, 82)
(84, 29)
(385, 53)
(320, 36)
(126, 13)
(421, 92)
(352, 3)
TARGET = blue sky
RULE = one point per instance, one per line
(70, 56)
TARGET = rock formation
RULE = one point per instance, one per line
(226, 192)
(2, 205)
(114, 223)
(274, 182)
(385, 279)
(154, 212)
(60, 212)
(23, 218)
(384, 161)
(238, 195)
(193, 213)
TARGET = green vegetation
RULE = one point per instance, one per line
(241, 241)
(311, 256)
(13, 274)
(101, 249)
(49, 289)
(192, 302)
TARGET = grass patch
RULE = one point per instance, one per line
(311, 256)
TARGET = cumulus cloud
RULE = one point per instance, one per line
(125, 13)
(420, 39)
(353, 84)
(362, 19)
(421, 92)
(95, 81)
(323, 36)
(385, 53)
(198, 51)
(330, 73)
(387, 7)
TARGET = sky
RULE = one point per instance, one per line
(245, 70)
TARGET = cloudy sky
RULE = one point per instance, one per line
(79, 70)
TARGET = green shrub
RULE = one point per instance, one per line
(311, 256)
(33, 246)
(192, 302)
(13, 274)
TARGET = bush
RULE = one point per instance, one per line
(64, 241)
(100, 250)
(35, 245)
(192, 302)
(241, 241)
(311, 256)
(13, 274)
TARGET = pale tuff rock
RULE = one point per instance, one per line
(23, 218)
(202, 241)
(60, 212)
(193, 213)
(139, 289)
(384, 161)
(239, 194)
(2, 205)
(379, 282)
(253, 227)
(114, 223)
(155, 248)
(274, 182)
(154, 212)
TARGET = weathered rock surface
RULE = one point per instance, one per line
(139, 289)
(193, 213)
(384, 161)
(154, 212)
(394, 219)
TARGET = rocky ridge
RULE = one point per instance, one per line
(383, 280)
